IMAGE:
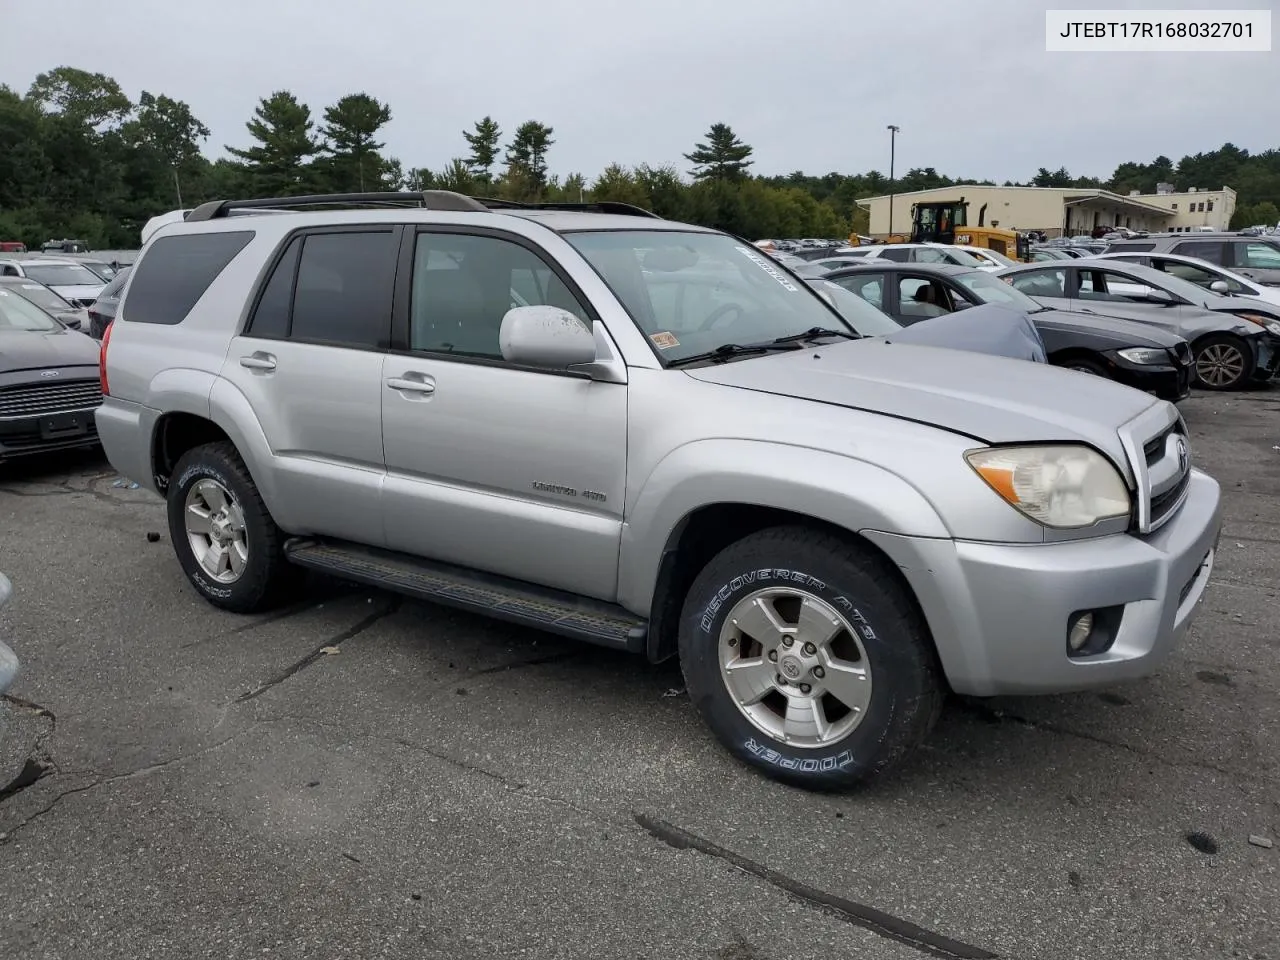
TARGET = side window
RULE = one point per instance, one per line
(1040, 283)
(271, 316)
(1115, 287)
(1260, 256)
(929, 255)
(343, 292)
(1208, 250)
(463, 285)
(869, 287)
(176, 271)
(896, 254)
(1190, 272)
(10, 270)
(922, 298)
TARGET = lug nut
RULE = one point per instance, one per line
(805, 688)
(773, 655)
(788, 641)
(819, 672)
(733, 641)
(781, 680)
(810, 649)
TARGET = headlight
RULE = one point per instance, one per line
(1061, 486)
(1144, 355)
(1271, 326)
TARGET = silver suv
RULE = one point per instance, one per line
(1255, 258)
(648, 435)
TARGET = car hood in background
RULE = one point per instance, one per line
(78, 292)
(28, 350)
(993, 399)
(996, 330)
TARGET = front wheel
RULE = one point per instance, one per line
(1222, 362)
(808, 659)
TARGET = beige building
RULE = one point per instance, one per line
(1062, 211)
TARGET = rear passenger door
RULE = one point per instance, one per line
(309, 362)
(510, 470)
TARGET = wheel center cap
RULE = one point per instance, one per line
(791, 667)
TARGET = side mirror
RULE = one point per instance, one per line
(544, 336)
(1220, 287)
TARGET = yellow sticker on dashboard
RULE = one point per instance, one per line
(663, 340)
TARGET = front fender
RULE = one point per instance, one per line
(849, 493)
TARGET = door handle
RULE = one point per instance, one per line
(259, 361)
(411, 386)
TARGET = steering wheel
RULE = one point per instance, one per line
(719, 313)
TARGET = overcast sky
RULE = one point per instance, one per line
(809, 85)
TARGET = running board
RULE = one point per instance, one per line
(514, 601)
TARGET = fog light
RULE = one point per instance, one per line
(1078, 632)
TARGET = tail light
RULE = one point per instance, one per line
(102, 359)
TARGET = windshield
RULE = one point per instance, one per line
(999, 258)
(63, 275)
(990, 290)
(693, 292)
(19, 314)
(104, 270)
(41, 296)
(865, 318)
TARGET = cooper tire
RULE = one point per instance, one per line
(265, 577)
(1222, 362)
(905, 687)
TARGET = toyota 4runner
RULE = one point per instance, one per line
(648, 435)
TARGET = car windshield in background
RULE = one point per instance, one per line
(990, 290)
(41, 296)
(866, 319)
(63, 275)
(19, 314)
(997, 257)
(693, 292)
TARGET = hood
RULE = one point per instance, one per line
(993, 399)
(1124, 333)
(995, 330)
(27, 350)
(78, 291)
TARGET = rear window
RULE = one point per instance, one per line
(176, 272)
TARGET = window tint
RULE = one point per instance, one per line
(344, 287)
(1040, 283)
(897, 254)
(1210, 250)
(1261, 256)
(464, 285)
(1137, 247)
(1200, 276)
(10, 270)
(271, 316)
(176, 271)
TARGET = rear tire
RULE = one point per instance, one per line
(226, 541)
(1222, 362)
(866, 694)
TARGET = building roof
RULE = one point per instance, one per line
(1068, 193)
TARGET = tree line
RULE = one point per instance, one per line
(79, 159)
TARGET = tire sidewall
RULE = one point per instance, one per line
(203, 465)
(869, 611)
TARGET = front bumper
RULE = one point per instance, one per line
(999, 612)
(47, 433)
(1166, 381)
(1267, 353)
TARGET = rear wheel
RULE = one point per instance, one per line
(808, 659)
(228, 545)
(1222, 362)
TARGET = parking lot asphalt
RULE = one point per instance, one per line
(361, 776)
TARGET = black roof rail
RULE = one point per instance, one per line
(595, 206)
(429, 199)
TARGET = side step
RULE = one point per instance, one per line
(515, 601)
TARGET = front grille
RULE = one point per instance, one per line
(1153, 449)
(1163, 503)
(1182, 353)
(40, 399)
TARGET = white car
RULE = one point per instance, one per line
(68, 279)
(915, 253)
(987, 259)
(1202, 274)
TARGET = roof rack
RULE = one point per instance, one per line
(444, 200)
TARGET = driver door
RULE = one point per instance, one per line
(509, 470)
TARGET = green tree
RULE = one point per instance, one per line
(527, 154)
(722, 157)
(93, 99)
(484, 142)
(279, 163)
(619, 184)
(456, 177)
(350, 160)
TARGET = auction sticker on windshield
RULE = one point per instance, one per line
(663, 340)
(768, 268)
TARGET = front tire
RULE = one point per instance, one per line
(226, 541)
(1222, 362)
(808, 659)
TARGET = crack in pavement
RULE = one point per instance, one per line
(869, 918)
(350, 633)
(99, 781)
(285, 613)
(999, 717)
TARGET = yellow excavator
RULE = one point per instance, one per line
(947, 221)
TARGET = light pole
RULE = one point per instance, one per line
(893, 133)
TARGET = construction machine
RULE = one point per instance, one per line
(947, 221)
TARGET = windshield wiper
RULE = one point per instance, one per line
(727, 350)
(814, 332)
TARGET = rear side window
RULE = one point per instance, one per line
(1136, 247)
(1209, 250)
(176, 272)
(271, 316)
(343, 291)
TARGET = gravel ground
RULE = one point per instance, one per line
(188, 783)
